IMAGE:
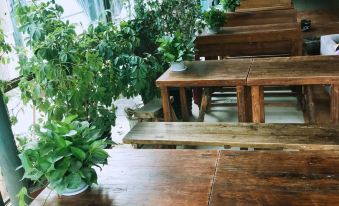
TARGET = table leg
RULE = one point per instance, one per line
(335, 103)
(183, 102)
(166, 107)
(241, 102)
(258, 110)
(204, 102)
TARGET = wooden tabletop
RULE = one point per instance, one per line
(230, 72)
(294, 71)
(210, 178)
(146, 177)
(261, 17)
(260, 5)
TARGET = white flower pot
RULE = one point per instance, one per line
(178, 67)
(72, 192)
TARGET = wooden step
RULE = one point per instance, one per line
(244, 135)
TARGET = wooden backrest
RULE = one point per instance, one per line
(260, 5)
(291, 136)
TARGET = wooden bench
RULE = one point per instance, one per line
(244, 135)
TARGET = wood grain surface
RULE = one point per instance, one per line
(216, 73)
(261, 17)
(210, 178)
(145, 178)
(260, 5)
(251, 40)
(294, 70)
(276, 179)
(245, 135)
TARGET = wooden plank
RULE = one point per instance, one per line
(146, 177)
(272, 39)
(261, 17)
(291, 136)
(230, 72)
(260, 5)
(166, 107)
(276, 178)
(258, 106)
(150, 110)
(294, 70)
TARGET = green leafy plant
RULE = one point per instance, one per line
(64, 154)
(5, 48)
(155, 19)
(215, 18)
(175, 49)
(230, 5)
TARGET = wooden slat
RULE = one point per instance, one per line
(146, 177)
(277, 178)
(292, 136)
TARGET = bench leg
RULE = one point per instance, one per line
(335, 103)
(166, 104)
(183, 101)
(258, 110)
(204, 103)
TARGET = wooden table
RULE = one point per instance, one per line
(252, 40)
(210, 178)
(251, 18)
(306, 70)
(231, 72)
(260, 5)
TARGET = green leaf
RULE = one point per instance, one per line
(78, 153)
(70, 119)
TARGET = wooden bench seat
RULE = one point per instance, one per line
(244, 135)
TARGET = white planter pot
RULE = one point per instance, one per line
(178, 67)
(72, 192)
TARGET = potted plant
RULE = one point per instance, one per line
(215, 19)
(175, 49)
(230, 5)
(64, 155)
